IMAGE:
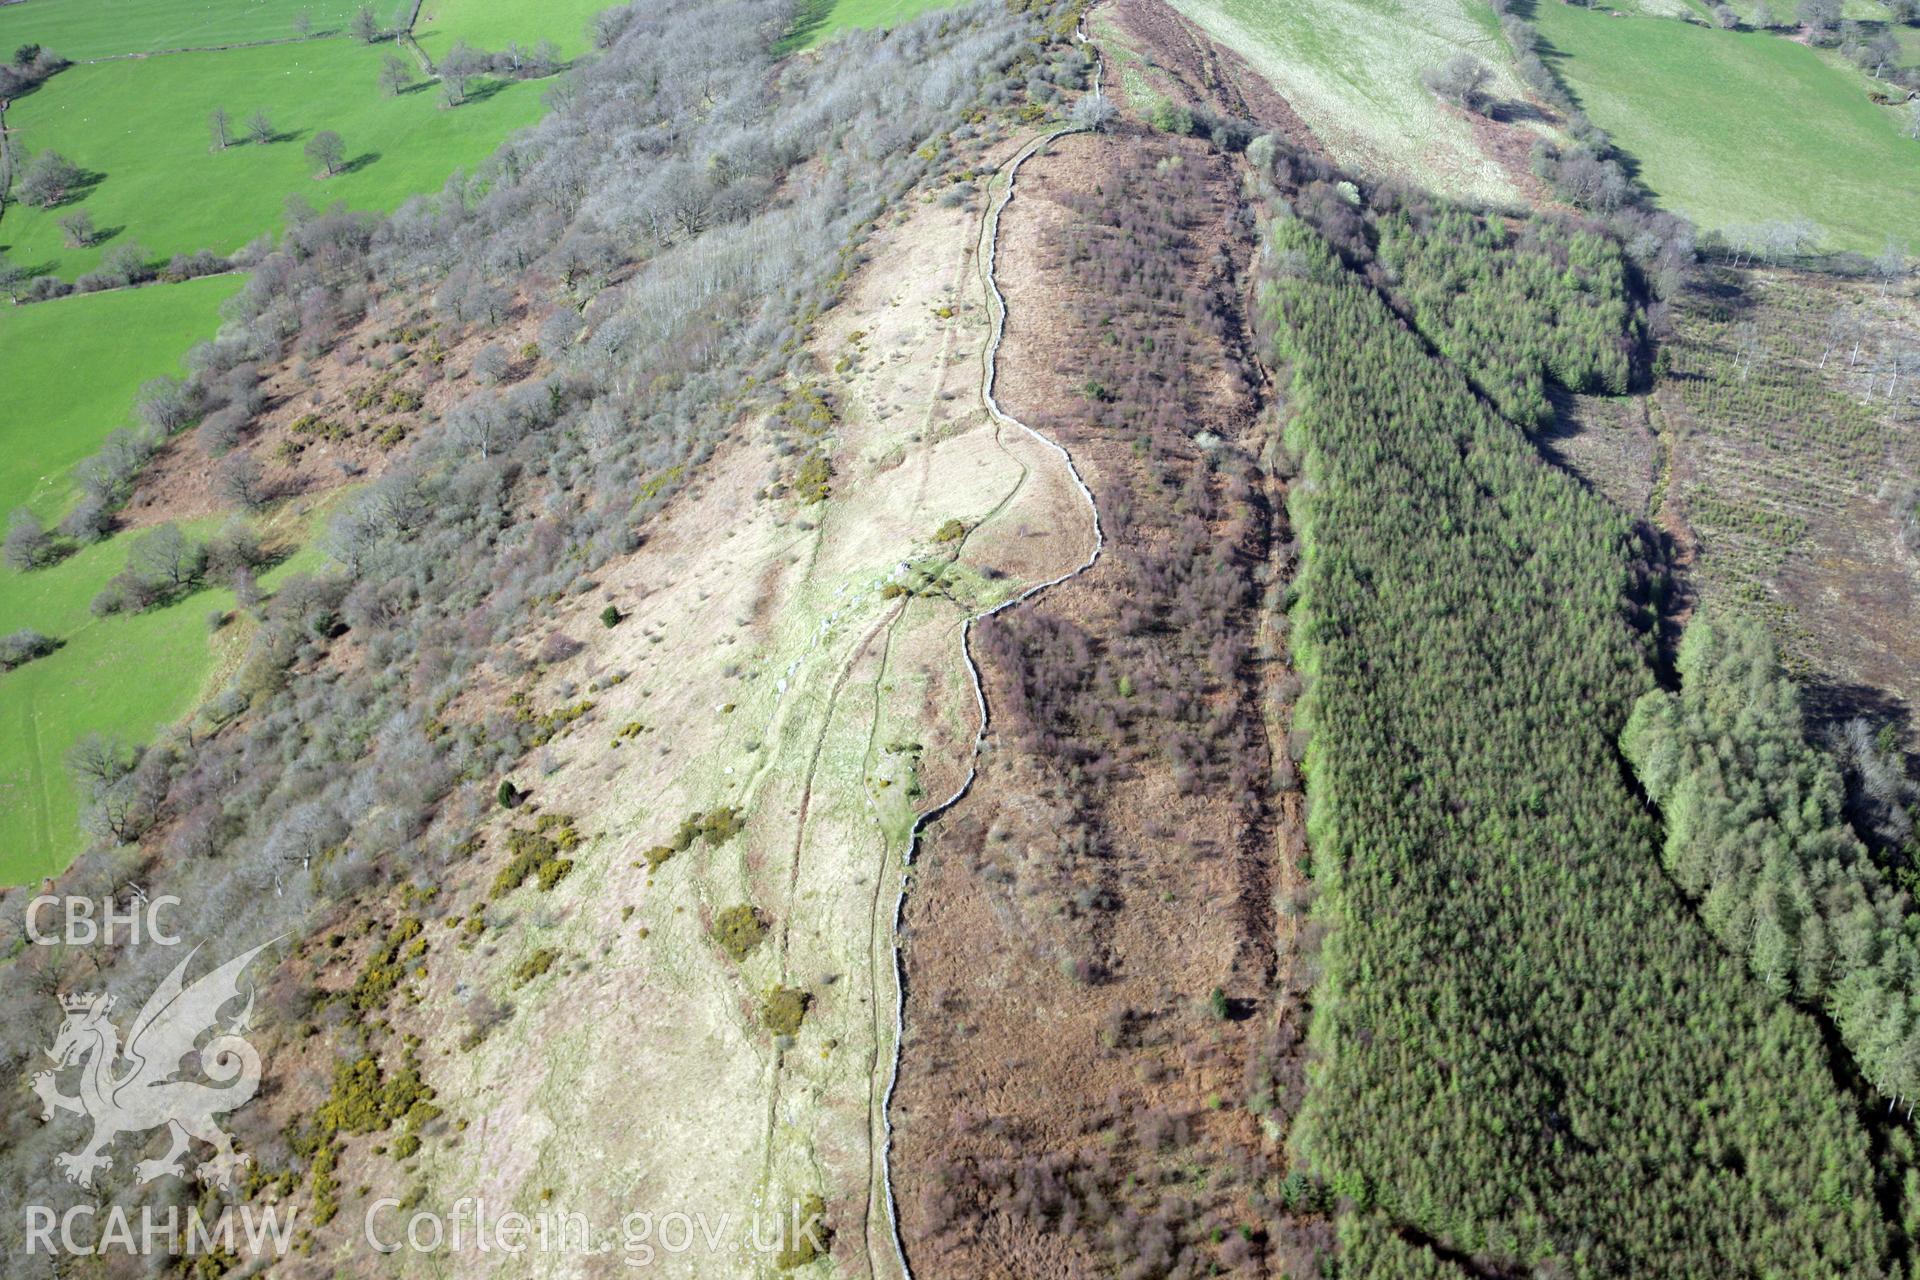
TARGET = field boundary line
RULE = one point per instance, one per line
(6, 161)
(406, 41)
(141, 54)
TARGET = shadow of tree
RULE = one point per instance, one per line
(77, 191)
(809, 16)
(484, 89)
(30, 270)
(1516, 112)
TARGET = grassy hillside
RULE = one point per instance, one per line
(85, 29)
(1352, 69)
(72, 367)
(1741, 127)
(493, 24)
(142, 126)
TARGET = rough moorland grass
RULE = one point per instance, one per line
(128, 675)
(1352, 69)
(1741, 127)
(492, 24)
(71, 367)
(819, 19)
(142, 126)
(83, 29)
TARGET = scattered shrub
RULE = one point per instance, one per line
(812, 1237)
(1170, 117)
(537, 853)
(534, 966)
(739, 930)
(783, 1010)
(24, 646)
(813, 481)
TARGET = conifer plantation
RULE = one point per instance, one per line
(1531, 1051)
(1757, 835)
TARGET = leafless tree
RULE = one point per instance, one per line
(166, 556)
(48, 180)
(27, 545)
(543, 61)
(243, 480)
(1094, 112)
(88, 520)
(76, 229)
(1843, 327)
(100, 759)
(395, 75)
(327, 150)
(491, 363)
(458, 70)
(1749, 347)
(1820, 19)
(24, 645)
(167, 404)
(1461, 79)
(1890, 263)
(246, 587)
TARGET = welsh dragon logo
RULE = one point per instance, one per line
(131, 1087)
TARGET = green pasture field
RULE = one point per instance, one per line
(127, 674)
(819, 19)
(71, 368)
(86, 29)
(492, 24)
(141, 125)
(1702, 10)
(1734, 128)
